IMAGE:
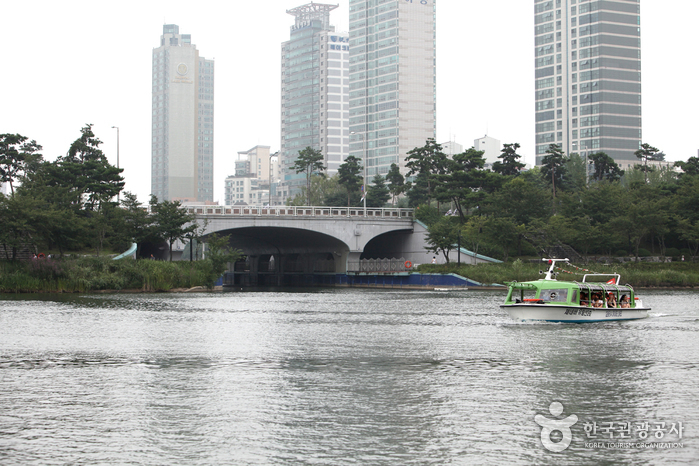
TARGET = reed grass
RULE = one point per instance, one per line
(94, 274)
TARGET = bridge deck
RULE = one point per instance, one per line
(303, 211)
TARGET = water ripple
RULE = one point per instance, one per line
(330, 377)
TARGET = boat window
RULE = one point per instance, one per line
(554, 296)
(519, 296)
(574, 298)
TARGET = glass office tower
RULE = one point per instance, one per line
(314, 91)
(392, 80)
(588, 77)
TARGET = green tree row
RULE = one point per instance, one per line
(346, 187)
(589, 204)
(73, 203)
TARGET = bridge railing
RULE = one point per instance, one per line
(302, 211)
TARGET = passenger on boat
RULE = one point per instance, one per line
(611, 300)
(625, 302)
(597, 300)
(584, 298)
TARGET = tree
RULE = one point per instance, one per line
(324, 191)
(219, 256)
(689, 232)
(170, 221)
(135, 222)
(473, 232)
(18, 217)
(584, 235)
(576, 172)
(427, 214)
(442, 236)
(417, 191)
(17, 156)
(648, 153)
(503, 232)
(552, 166)
(428, 161)
(87, 169)
(348, 176)
(396, 182)
(604, 167)
(377, 195)
(464, 182)
(102, 223)
(519, 199)
(690, 167)
(309, 161)
(510, 165)
(634, 220)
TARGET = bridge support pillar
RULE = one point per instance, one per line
(341, 261)
(352, 258)
(281, 264)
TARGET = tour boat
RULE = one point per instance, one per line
(589, 300)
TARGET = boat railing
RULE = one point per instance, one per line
(616, 282)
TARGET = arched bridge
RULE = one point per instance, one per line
(337, 235)
(279, 241)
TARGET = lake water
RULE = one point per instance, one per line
(340, 376)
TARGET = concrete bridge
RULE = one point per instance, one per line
(307, 240)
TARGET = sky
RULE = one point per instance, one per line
(66, 64)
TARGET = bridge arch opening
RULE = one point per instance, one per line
(390, 245)
(276, 256)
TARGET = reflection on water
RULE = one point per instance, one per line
(332, 377)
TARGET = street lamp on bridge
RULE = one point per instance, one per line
(364, 191)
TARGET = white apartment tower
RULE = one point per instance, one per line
(588, 77)
(182, 146)
(314, 92)
(392, 80)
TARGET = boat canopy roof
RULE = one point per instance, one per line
(522, 286)
(583, 286)
(604, 287)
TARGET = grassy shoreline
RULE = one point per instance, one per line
(90, 274)
(638, 275)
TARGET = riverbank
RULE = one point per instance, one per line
(639, 275)
(94, 274)
(90, 274)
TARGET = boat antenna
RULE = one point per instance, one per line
(550, 275)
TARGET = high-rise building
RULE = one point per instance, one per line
(314, 90)
(392, 80)
(588, 77)
(182, 147)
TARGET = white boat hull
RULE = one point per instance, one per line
(572, 314)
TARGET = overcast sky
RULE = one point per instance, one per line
(75, 62)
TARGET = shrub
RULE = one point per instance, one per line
(643, 252)
(622, 253)
(673, 252)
